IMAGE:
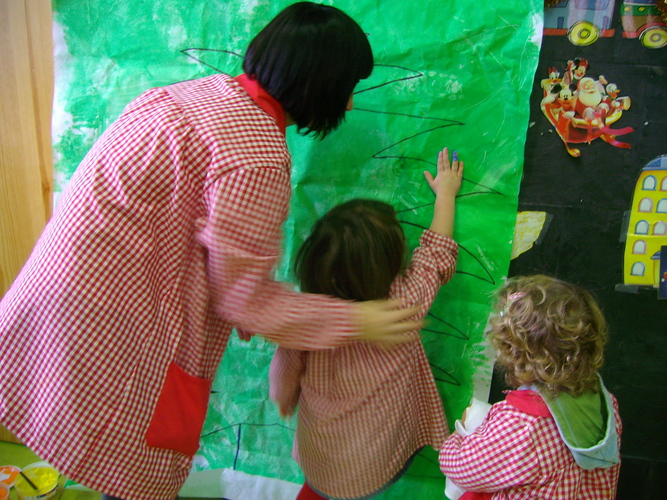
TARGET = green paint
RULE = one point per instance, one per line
(447, 74)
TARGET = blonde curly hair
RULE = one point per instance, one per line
(549, 333)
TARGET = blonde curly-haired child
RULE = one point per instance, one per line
(558, 434)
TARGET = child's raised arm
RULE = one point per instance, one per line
(445, 185)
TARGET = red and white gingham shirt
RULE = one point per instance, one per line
(165, 238)
(364, 411)
(518, 454)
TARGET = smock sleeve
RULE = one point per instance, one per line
(433, 264)
(242, 236)
(287, 367)
(499, 455)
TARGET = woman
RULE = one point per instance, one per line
(165, 240)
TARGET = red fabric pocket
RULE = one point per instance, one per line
(180, 412)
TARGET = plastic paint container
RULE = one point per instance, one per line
(44, 477)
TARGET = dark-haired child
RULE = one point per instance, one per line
(364, 411)
(558, 435)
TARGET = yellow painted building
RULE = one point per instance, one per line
(647, 226)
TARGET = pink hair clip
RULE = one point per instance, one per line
(511, 298)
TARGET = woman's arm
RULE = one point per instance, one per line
(243, 236)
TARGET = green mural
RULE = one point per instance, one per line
(455, 74)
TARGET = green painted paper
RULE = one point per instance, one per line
(455, 74)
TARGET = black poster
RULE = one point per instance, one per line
(595, 178)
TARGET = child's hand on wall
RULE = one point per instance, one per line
(447, 181)
(445, 185)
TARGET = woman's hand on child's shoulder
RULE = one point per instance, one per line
(386, 322)
(449, 175)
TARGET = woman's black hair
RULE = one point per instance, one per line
(354, 252)
(309, 58)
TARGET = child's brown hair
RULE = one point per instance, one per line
(550, 333)
(354, 252)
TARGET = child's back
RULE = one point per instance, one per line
(558, 435)
(365, 411)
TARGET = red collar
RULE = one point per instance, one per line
(528, 402)
(263, 100)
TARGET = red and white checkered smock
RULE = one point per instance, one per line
(518, 454)
(364, 411)
(165, 238)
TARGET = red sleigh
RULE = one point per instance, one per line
(583, 110)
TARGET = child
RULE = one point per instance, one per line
(558, 435)
(364, 411)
